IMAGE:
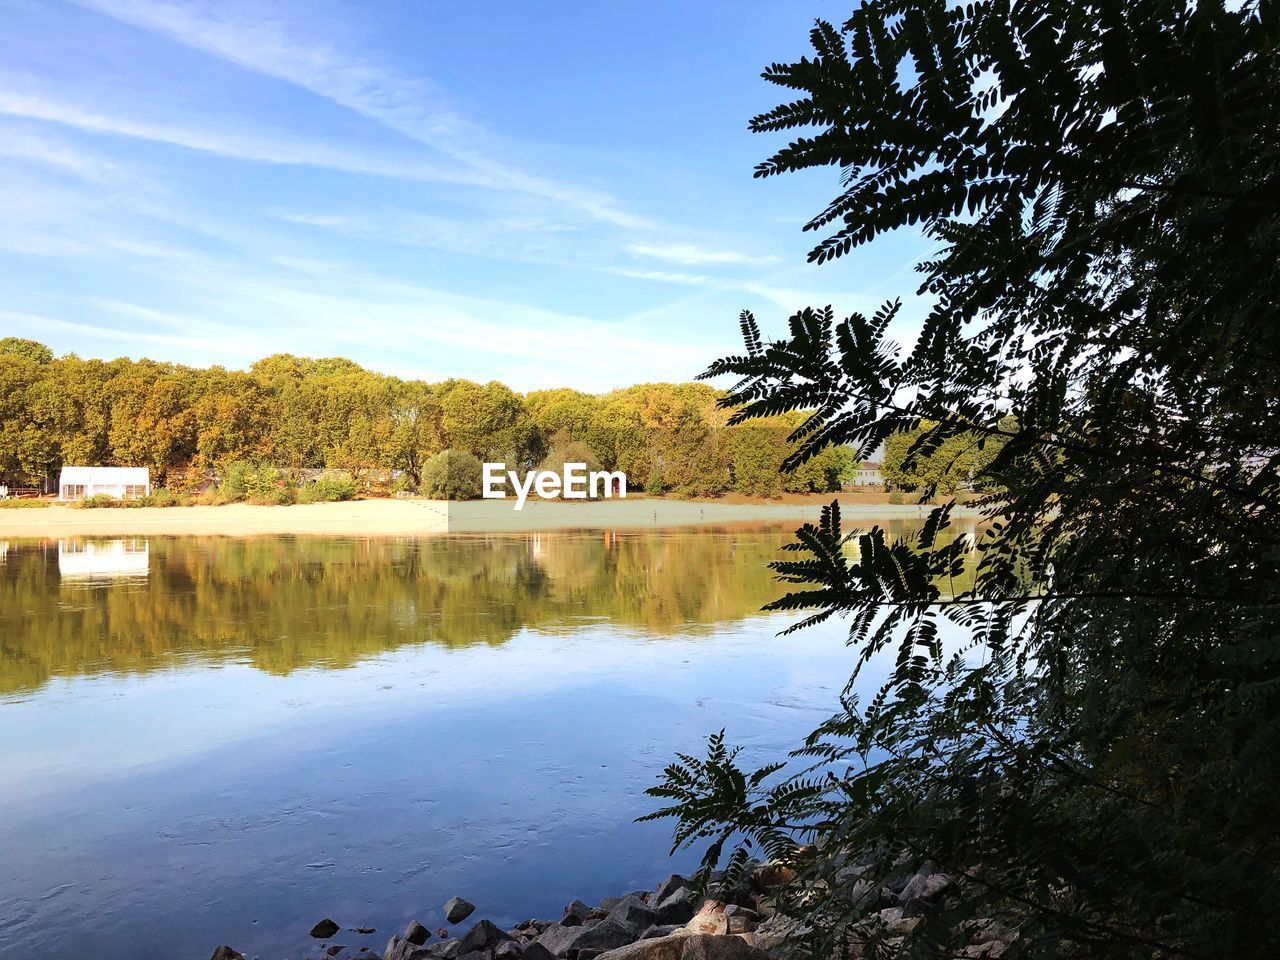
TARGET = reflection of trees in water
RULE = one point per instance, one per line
(283, 603)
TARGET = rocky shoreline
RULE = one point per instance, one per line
(672, 922)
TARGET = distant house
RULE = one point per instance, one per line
(867, 475)
(123, 483)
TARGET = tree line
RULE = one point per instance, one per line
(292, 412)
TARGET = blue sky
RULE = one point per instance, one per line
(542, 193)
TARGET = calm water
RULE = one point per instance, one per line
(222, 741)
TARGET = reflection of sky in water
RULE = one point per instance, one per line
(204, 802)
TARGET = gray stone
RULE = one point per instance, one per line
(678, 907)
(577, 909)
(771, 934)
(692, 947)
(416, 933)
(634, 915)
(226, 953)
(400, 949)
(325, 929)
(567, 941)
(925, 886)
(669, 886)
(509, 949)
(457, 910)
(659, 930)
(336, 949)
(483, 936)
(536, 951)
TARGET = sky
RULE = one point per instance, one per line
(546, 194)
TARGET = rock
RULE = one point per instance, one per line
(416, 933)
(483, 936)
(362, 930)
(325, 929)
(894, 920)
(770, 876)
(589, 954)
(669, 886)
(446, 949)
(336, 949)
(401, 949)
(678, 907)
(575, 913)
(741, 919)
(659, 930)
(709, 920)
(566, 941)
(773, 932)
(226, 953)
(442, 933)
(693, 947)
(457, 910)
(536, 951)
(634, 915)
(509, 949)
(924, 887)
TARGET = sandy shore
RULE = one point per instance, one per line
(413, 517)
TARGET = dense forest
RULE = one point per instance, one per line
(296, 412)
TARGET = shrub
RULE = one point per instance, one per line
(16, 504)
(452, 475)
(256, 483)
(655, 486)
(327, 489)
(98, 500)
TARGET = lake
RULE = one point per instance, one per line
(213, 740)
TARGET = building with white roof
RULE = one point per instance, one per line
(123, 483)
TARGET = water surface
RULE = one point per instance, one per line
(214, 740)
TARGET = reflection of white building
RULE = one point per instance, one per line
(91, 559)
(123, 483)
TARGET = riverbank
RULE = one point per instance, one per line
(418, 517)
(677, 921)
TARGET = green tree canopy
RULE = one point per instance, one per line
(1096, 764)
(452, 475)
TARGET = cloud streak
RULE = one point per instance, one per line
(406, 104)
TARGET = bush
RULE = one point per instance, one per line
(452, 475)
(97, 501)
(327, 489)
(16, 504)
(163, 497)
(655, 486)
(896, 498)
(256, 483)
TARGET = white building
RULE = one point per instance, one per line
(868, 475)
(123, 483)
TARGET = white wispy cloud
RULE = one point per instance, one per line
(21, 144)
(692, 256)
(226, 143)
(32, 324)
(409, 105)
